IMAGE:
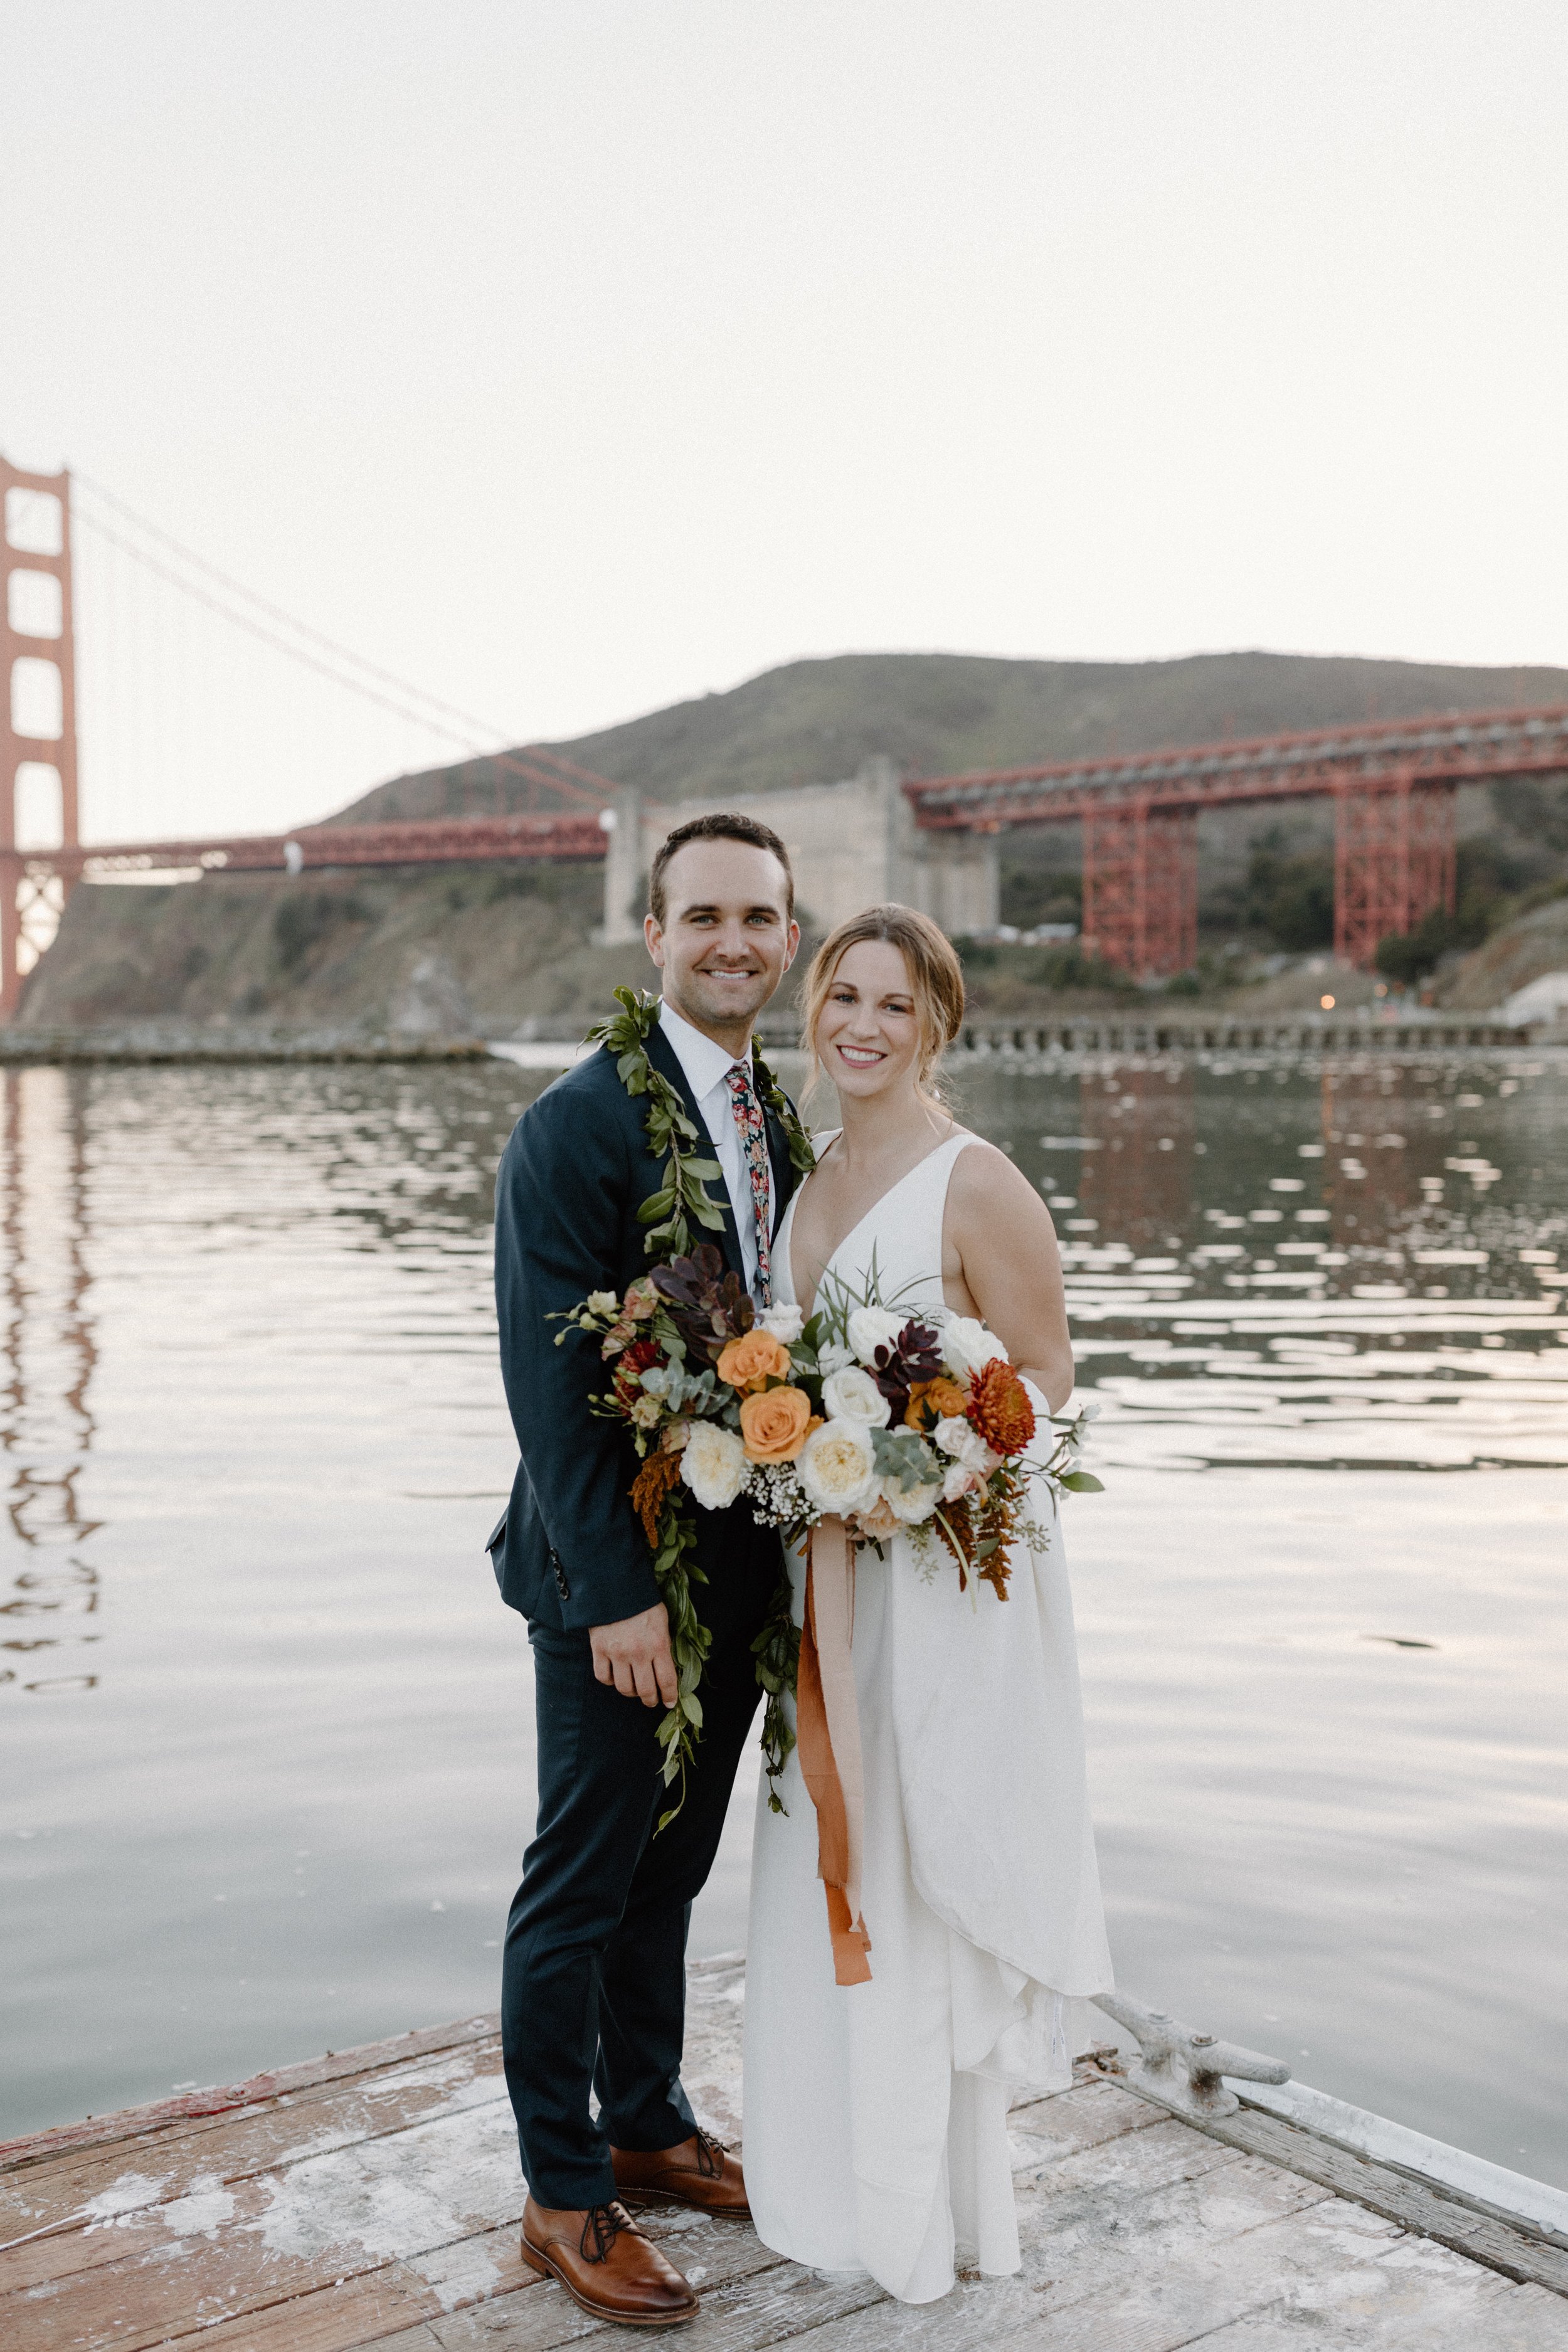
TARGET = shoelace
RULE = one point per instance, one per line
(603, 2224)
(710, 2154)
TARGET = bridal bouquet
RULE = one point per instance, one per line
(892, 1421)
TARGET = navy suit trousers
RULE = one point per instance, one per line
(594, 1979)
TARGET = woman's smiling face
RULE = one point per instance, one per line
(869, 1033)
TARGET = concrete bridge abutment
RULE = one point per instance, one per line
(852, 845)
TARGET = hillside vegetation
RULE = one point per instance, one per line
(452, 950)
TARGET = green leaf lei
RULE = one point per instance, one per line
(669, 1214)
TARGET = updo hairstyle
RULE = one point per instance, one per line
(936, 981)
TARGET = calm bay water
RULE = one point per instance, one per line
(266, 1730)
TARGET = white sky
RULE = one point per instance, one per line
(573, 358)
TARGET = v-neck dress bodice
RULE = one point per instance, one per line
(876, 2115)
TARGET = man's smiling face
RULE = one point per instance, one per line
(727, 938)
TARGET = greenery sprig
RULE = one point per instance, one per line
(777, 1653)
(669, 1214)
(671, 1133)
(803, 1158)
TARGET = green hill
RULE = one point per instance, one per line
(813, 721)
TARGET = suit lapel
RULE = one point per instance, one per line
(665, 1059)
(782, 1168)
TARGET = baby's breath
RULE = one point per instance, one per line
(776, 1494)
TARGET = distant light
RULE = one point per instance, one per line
(606, 820)
(1327, 1002)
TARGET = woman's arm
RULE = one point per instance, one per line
(999, 1247)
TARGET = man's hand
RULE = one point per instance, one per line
(634, 1655)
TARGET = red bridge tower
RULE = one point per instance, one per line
(36, 631)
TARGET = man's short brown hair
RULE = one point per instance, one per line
(720, 826)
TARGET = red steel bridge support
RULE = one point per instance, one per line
(34, 627)
(1392, 783)
(1393, 861)
(1141, 887)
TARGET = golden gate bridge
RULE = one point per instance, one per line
(1392, 781)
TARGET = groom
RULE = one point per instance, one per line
(593, 1983)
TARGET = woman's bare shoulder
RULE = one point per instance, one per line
(985, 1181)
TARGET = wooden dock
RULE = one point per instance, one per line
(373, 2197)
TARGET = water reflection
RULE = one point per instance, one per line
(1271, 1262)
(46, 1418)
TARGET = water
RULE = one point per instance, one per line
(266, 1730)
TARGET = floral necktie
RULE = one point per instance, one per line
(754, 1138)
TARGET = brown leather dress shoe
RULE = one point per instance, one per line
(607, 2265)
(700, 2172)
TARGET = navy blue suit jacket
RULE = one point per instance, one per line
(575, 1171)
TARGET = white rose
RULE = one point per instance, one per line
(853, 1395)
(834, 1357)
(871, 1327)
(602, 1302)
(714, 1464)
(912, 1504)
(837, 1468)
(877, 1520)
(968, 1346)
(785, 1323)
(955, 1436)
(959, 1481)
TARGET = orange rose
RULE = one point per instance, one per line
(933, 1401)
(776, 1423)
(747, 1363)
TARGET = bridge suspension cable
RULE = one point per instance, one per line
(474, 734)
(208, 707)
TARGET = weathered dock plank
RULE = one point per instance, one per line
(105, 2188)
(372, 2199)
(1517, 2253)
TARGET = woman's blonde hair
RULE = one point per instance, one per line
(936, 981)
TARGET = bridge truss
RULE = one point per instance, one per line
(1392, 783)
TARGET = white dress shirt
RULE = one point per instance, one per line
(707, 1067)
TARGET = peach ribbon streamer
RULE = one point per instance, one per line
(827, 1730)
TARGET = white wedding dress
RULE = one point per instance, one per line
(876, 2115)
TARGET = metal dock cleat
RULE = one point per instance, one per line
(1195, 2087)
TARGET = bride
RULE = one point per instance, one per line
(876, 2112)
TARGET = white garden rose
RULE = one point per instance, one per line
(877, 1520)
(834, 1357)
(836, 1466)
(853, 1395)
(785, 1323)
(714, 1464)
(960, 1481)
(968, 1346)
(954, 1436)
(871, 1327)
(910, 1503)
